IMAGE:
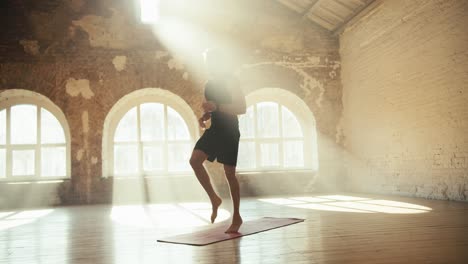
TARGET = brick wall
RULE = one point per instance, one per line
(405, 85)
(47, 45)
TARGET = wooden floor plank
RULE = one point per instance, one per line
(390, 230)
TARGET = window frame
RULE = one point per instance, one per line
(13, 97)
(305, 118)
(135, 99)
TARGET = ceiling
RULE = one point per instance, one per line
(329, 14)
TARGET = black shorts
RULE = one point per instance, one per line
(220, 144)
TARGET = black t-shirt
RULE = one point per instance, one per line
(219, 91)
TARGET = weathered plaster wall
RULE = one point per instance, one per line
(86, 55)
(405, 77)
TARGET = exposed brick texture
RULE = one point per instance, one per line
(44, 45)
(405, 77)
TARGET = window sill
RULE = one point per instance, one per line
(32, 181)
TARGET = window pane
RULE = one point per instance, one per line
(267, 119)
(51, 129)
(127, 128)
(178, 156)
(23, 124)
(2, 163)
(125, 159)
(247, 156)
(53, 162)
(149, 11)
(246, 124)
(3, 127)
(177, 128)
(153, 158)
(152, 121)
(23, 162)
(269, 154)
(291, 127)
(293, 154)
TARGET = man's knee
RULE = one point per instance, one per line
(196, 160)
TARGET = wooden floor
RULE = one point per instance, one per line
(345, 228)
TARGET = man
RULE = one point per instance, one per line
(224, 101)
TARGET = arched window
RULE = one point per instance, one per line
(149, 135)
(34, 137)
(277, 132)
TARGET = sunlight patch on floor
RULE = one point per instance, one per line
(342, 198)
(351, 204)
(14, 219)
(166, 215)
(325, 207)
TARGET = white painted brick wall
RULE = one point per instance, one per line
(405, 85)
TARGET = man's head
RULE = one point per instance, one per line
(216, 61)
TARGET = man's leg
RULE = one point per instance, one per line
(230, 172)
(196, 161)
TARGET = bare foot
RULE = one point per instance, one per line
(236, 224)
(215, 204)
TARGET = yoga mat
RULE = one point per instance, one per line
(216, 234)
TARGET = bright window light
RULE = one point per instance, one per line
(149, 11)
(24, 131)
(34, 140)
(3, 127)
(2, 163)
(271, 138)
(151, 138)
(35, 133)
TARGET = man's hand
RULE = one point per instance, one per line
(202, 119)
(201, 122)
(209, 106)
